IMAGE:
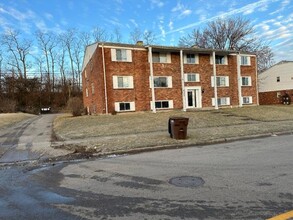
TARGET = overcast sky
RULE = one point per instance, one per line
(273, 19)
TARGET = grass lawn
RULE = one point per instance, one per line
(7, 119)
(143, 129)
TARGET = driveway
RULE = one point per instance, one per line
(27, 140)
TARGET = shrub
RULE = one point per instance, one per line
(7, 105)
(75, 105)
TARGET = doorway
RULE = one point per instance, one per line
(193, 97)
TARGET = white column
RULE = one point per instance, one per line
(182, 80)
(152, 79)
(215, 81)
(239, 80)
(105, 80)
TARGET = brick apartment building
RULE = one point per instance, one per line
(125, 77)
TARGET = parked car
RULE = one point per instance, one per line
(45, 110)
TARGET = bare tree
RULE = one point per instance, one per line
(78, 50)
(117, 37)
(265, 58)
(68, 40)
(230, 34)
(100, 34)
(18, 49)
(135, 36)
(47, 42)
(86, 38)
(149, 37)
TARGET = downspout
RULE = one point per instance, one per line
(256, 81)
(215, 80)
(152, 80)
(182, 80)
(238, 57)
(105, 81)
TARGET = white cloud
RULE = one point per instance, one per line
(157, 3)
(133, 22)
(249, 11)
(171, 27)
(178, 7)
(48, 16)
(186, 12)
(246, 8)
(181, 11)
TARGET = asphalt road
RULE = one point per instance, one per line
(26, 140)
(249, 179)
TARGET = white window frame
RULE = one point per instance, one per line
(163, 57)
(188, 75)
(131, 106)
(127, 55)
(225, 60)
(168, 80)
(127, 80)
(248, 80)
(186, 59)
(93, 88)
(221, 79)
(170, 103)
(222, 101)
(245, 60)
(245, 98)
(86, 92)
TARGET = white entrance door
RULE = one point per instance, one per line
(193, 97)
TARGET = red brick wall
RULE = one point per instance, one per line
(169, 69)
(250, 71)
(272, 98)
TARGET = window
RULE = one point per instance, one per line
(246, 81)
(220, 59)
(124, 106)
(163, 81)
(162, 104)
(165, 104)
(93, 88)
(221, 101)
(191, 77)
(245, 60)
(85, 74)
(161, 57)
(123, 55)
(123, 82)
(278, 79)
(190, 58)
(247, 100)
(222, 81)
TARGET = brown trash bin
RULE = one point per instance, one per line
(177, 127)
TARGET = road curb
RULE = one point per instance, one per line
(199, 144)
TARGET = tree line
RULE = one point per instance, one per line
(45, 69)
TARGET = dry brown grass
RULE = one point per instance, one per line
(264, 113)
(7, 119)
(108, 133)
(134, 123)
